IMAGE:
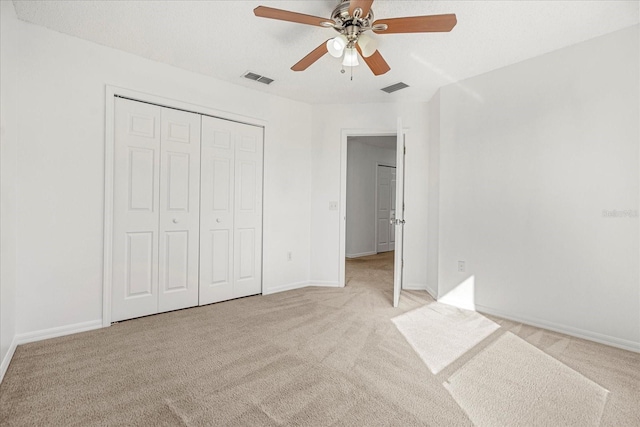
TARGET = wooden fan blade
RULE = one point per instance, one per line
(419, 24)
(285, 15)
(365, 5)
(312, 57)
(376, 62)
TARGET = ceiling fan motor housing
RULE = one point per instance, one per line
(350, 26)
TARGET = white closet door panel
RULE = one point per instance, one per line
(139, 264)
(216, 210)
(179, 209)
(246, 254)
(141, 185)
(248, 211)
(176, 261)
(136, 205)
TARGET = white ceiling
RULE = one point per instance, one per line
(224, 39)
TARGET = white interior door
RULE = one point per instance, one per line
(136, 205)
(230, 210)
(399, 220)
(179, 209)
(383, 189)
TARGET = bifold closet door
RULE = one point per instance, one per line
(155, 216)
(179, 210)
(230, 210)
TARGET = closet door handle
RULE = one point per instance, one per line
(218, 220)
(175, 220)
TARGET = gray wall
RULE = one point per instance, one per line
(361, 195)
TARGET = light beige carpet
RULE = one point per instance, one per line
(512, 382)
(314, 356)
(440, 333)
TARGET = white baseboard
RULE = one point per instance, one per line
(298, 285)
(325, 283)
(287, 287)
(432, 292)
(7, 358)
(58, 332)
(360, 254)
(563, 329)
(414, 287)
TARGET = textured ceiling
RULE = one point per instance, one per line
(224, 39)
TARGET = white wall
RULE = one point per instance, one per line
(60, 170)
(328, 124)
(362, 162)
(8, 147)
(530, 156)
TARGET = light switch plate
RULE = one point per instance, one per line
(333, 206)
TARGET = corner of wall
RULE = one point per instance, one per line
(6, 360)
(8, 154)
(433, 214)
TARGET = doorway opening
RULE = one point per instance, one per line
(370, 211)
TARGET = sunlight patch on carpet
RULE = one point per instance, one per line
(512, 382)
(440, 333)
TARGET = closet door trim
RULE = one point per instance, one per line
(112, 92)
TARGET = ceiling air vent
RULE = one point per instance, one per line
(265, 80)
(257, 77)
(395, 87)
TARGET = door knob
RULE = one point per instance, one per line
(218, 220)
(175, 220)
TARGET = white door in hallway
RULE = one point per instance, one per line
(230, 210)
(155, 216)
(385, 208)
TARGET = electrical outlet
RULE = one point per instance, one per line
(333, 206)
(461, 267)
(289, 256)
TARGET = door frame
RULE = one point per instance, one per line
(109, 163)
(342, 219)
(375, 210)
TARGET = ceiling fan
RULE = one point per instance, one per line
(352, 19)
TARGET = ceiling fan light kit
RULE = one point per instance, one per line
(367, 44)
(336, 45)
(352, 19)
(350, 58)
